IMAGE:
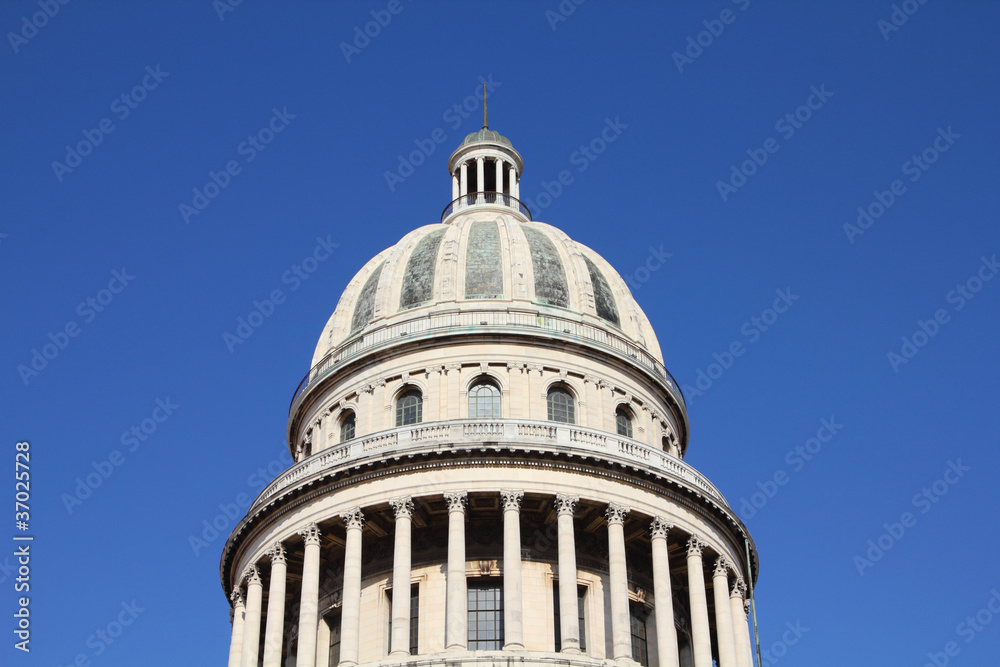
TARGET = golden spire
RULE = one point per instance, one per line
(485, 126)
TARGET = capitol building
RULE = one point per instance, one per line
(489, 467)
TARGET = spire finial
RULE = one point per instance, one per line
(485, 126)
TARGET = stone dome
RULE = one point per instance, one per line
(491, 264)
(486, 134)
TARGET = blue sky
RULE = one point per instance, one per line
(864, 100)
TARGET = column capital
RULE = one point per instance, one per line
(310, 533)
(237, 598)
(511, 499)
(403, 507)
(738, 588)
(659, 527)
(722, 567)
(457, 500)
(252, 575)
(616, 513)
(566, 504)
(746, 607)
(277, 553)
(695, 546)
(353, 518)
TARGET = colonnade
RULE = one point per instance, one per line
(460, 178)
(730, 607)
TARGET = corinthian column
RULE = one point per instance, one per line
(621, 633)
(740, 632)
(666, 633)
(309, 603)
(512, 617)
(569, 620)
(700, 634)
(350, 612)
(457, 609)
(399, 643)
(723, 614)
(274, 630)
(239, 612)
(251, 626)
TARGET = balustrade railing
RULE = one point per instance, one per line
(494, 198)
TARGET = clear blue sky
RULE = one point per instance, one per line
(884, 96)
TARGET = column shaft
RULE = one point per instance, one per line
(740, 630)
(723, 615)
(480, 176)
(700, 635)
(309, 603)
(457, 602)
(399, 643)
(251, 625)
(499, 183)
(569, 620)
(512, 616)
(454, 186)
(350, 613)
(239, 614)
(464, 179)
(621, 633)
(512, 185)
(666, 633)
(274, 630)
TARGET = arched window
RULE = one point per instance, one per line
(561, 407)
(484, 401)
(409, 408)
(623, 422)
(347, 424)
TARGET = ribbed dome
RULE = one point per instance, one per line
(486, 135)
(484, 261)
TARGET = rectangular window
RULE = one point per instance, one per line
(414, 620)
(638, 628)
(334, 622)
(581, 593)
(485, 616)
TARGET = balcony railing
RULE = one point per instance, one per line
(425, 326)
(495, 198)
(486, 434)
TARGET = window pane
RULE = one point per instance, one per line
(560, 406)
(484, 401)
(409, 408)
(638, 628)
(347, 427)
(624, 423)
(485, 617)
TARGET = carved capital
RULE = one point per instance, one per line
(511, 499)
(746, 607)
(457, 500)
(277, 553)
(738, 588)
(310, 533)
(566, 504)
(722, 567)
(535, 367)
(252, 575)
(514, 365)
(353, 518)
(616, 513)
(237, 598)
(592, 380)
(695, 546)
(659, 527)
(403, 507)
(453, 367)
